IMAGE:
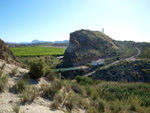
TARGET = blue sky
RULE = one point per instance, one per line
(50, 20)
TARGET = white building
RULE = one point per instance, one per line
(98, 62)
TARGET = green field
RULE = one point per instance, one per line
(37, 51)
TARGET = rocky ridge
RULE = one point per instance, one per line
(86, 46)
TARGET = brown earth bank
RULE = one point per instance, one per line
(7, 55)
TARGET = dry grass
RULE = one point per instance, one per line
(49, 90)
(29, 94)
(14, 71)
(21, 85)
(16, 108)
(3, 82)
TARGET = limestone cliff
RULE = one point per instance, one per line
(86, 46)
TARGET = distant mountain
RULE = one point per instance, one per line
(38, 41)
(18, 43)
(64, 41)
(24, 43)
(11, 43)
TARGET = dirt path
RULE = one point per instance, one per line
(132, 58)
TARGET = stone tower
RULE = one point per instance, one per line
(102, 30)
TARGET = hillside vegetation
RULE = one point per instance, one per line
(126, 50)
(133, 71)
(40, 89)
(48, 93)
(145, 47)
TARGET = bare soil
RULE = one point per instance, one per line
(8, 99)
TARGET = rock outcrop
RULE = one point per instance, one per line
(5, 53)
(86, 46)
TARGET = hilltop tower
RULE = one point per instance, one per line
(102, 30)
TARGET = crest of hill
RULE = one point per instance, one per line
(6, 54)
(86, 46)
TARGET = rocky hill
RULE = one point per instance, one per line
(5, 53)
(86, 46)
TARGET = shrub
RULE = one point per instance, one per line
(57, 101)
(45, 89)
(51, 90)
(37, 68)
(76, 88)
(74, 100)
(88, 64)
(21, 85)
(1, 72)
(3, 82)
(88, 90)
(58, 98)
(29, 94)
(132, 108)
(3, 65)
(114, 107)
(89, 76)
(54, 105)
(84, 80)
(92, 93)
(24, 66)
(50, 76)
(67, 85)
(92, 109)
(145, 101)
(16, 108)
(14, 71)
(99, 105)
(69, 106)
(56, 85)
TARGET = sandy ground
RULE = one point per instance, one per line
(8, 100)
